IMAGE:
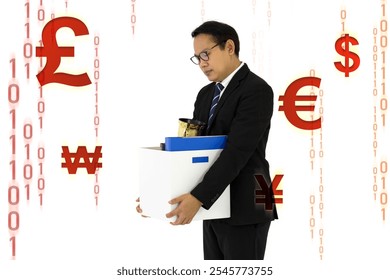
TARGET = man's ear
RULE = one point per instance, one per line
(230, 46)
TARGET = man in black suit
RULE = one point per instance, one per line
(243, 113)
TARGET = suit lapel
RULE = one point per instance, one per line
(233, 84)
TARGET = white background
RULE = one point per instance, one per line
(146, 83)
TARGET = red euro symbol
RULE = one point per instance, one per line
(290, 108)
(53, 53)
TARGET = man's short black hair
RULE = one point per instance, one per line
(221, 32)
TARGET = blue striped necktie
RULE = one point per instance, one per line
(217, 93)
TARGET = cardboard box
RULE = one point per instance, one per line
(166, 174)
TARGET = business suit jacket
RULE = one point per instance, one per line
(243, 114)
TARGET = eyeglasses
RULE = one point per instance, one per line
(202, 56)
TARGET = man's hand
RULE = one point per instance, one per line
(186, 209)
(139, 210)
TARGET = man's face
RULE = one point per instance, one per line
(216, 68)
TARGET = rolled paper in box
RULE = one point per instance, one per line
(190, 127)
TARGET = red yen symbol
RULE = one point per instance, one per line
(266, 195)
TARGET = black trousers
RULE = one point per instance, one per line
(222, 241)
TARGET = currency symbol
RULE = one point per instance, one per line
(342, 48)
(290, 108)
(82, 152)
(266, 195)
(53, 53)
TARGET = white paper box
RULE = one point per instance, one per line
(165, 175)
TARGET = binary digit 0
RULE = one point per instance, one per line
(96, 119)
(383, 26)
(254, 46)
(202, 11)
(41, 148)
(321, 113)
(321, 191)
(96, 188)
(312, 152)
(41, 12)
(41, 107)
(321, 248)
(375, 124)
(343, 16)
(13, 186)
(13, 87)
(375, 185)
(27, 47)
(383, 200)
(321, 183)
(269, 13)
(41, 18)
(13, 94)
(314, 156)
(41, 177)
(41, 188)
(312, 220)
(27, 168)
(41, 113)
(321, 154)
(383, 167)
(383, 44)
(383, 104)
(13, 215)
(133, 17)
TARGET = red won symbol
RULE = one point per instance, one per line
(266, 195)
(81, 152)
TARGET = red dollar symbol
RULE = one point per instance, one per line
(344, 51)
(53, 53)
(290, 108)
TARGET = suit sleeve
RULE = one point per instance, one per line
(251, 121)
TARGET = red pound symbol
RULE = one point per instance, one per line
(53, 53)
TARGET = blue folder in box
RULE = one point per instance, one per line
(195, 143)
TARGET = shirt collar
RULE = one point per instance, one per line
(227, 80)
